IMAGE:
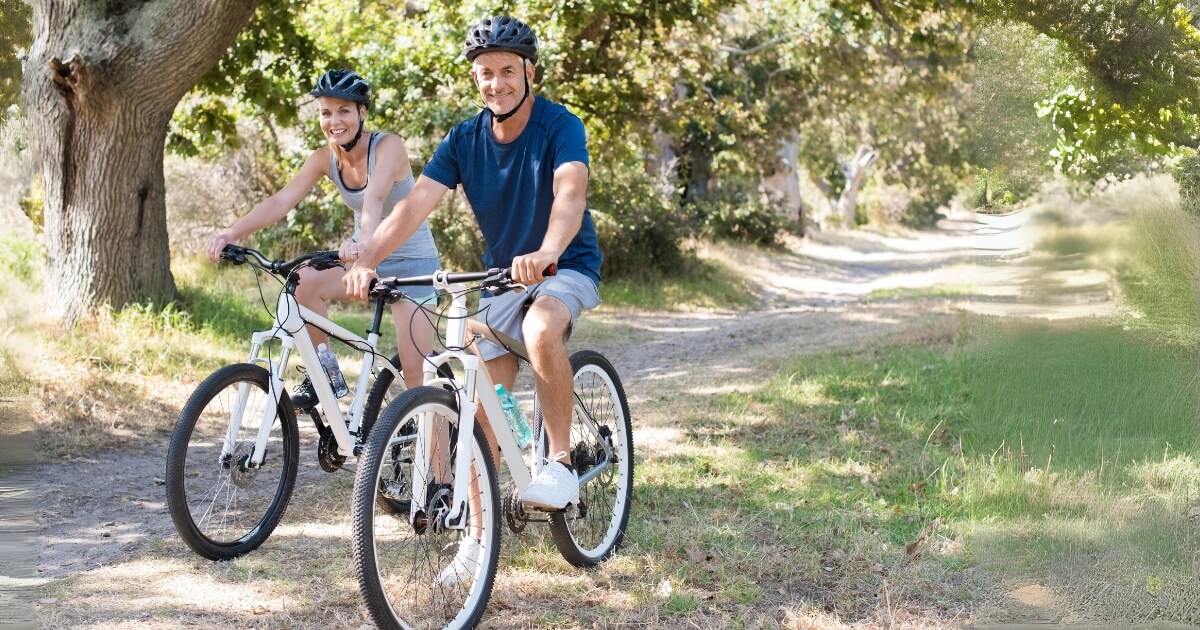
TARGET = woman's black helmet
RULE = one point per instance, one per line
(343, 84)
(501, 33)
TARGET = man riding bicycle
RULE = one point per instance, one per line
(523, 164)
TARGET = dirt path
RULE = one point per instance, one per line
(99, 510)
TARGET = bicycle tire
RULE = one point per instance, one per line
(589, 534)
(220, 509)
(399, 563)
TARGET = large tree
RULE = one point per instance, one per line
(100, 84)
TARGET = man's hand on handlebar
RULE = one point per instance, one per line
(532, 268)
(357, 282)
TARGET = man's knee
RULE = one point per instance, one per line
(548, 320)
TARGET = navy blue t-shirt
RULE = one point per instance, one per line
(511, 186)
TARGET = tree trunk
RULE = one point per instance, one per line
(101, 82)
(855, 171)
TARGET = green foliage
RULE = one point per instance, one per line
(22, 258)
(1160, 274)
(320, 221)
(740, 213)
(701, 91)
(261, 77)
(1143, 64)
(459, 241)
(33, 204)
(1015, 67)
(1187, 175)
(640, 228)
(996, 190)
(16, 35)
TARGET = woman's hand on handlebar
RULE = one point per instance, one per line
(351, 250)
(217, 244)
(358, 281)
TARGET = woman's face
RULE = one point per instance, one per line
(339, 118)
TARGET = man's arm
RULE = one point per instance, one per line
(401, 224)
(566, 216)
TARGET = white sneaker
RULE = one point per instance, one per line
(464, 564)
(553, 488)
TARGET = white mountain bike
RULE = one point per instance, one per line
(426, 489)
(233, 457)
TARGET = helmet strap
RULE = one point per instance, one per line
(349, 146)
(503, 117)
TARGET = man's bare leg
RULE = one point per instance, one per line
(545, 330)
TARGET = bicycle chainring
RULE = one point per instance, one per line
(514, 511)
(327, 452)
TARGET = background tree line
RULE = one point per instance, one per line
(706, 118)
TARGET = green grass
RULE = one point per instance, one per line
(706, 284)
(924, 293)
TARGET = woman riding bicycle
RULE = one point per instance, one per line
(371, 172)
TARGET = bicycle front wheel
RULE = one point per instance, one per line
(602, 452)
(221, 504)
(413, 569)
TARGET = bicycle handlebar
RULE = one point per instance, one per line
(321, 260)
(495, 280)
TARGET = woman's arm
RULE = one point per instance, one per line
(391, 166)
(275, 207)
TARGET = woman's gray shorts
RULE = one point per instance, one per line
(506, 312)
(408, 267)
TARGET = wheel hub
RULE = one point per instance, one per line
(240, 472)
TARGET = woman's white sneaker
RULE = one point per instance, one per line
(464, 564)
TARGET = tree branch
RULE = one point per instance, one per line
(741, 52)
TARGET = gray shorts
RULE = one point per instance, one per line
(408, 267)
(506, 312)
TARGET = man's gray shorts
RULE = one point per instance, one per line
(506, 312)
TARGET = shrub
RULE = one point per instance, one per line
(459, 241)
(640, 228)
(1187, 174)
(740, 213)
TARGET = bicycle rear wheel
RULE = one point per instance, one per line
(414, 572)
(386, 389)
(589, 533)
(222, 508)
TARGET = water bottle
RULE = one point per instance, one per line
(514, 416)
(330, 363)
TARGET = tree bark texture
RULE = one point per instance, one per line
(855, 171)
(101, 82)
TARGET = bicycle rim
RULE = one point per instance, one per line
(221, 506)
(405, 567)
(591, 532)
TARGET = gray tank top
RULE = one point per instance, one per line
(421, 244)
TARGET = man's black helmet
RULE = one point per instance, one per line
(343, 84)
(501, 33)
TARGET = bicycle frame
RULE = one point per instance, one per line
(290, 330)
(476, 382)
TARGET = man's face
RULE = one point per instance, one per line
(501, 78)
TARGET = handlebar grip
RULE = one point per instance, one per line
(234, 253)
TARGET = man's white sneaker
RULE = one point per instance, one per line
(464, 564)
(553, 488)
